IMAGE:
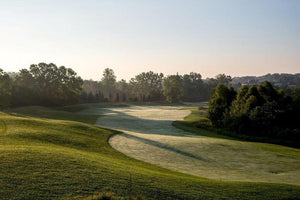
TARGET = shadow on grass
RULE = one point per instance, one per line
(163, 146)
(113, 119)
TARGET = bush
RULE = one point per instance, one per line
(256, 111)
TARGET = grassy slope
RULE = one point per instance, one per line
(44, 159)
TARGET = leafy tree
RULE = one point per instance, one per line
(148, 86)
(91, 97)
(123, 89)
(109, 78)
(193, 87)
(219, 79)
(257, 106)
(223, 79)
(84, 97)
(46, 84)
(219, 104)
(56, 85)
(109, 83)
(257, 110)
(173, 89)
(117, 97)
(25, 90)
(5, 89)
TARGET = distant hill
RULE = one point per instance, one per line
(291, 80)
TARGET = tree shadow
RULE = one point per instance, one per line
(163, 146)
(117, 119)
(122, 121)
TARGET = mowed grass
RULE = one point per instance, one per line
(149, 136)
(80, 107)
(43, 158)
(270, 160)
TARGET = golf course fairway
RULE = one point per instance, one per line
(148, 135)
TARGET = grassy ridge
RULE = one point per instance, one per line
(43, 158)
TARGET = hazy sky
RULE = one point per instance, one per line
(236, 37)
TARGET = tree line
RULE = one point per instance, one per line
(257, 110)
(49, 85)
(150, 86)
(43, 84)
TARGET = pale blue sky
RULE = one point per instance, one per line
(236, 37)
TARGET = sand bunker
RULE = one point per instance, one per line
(148, 135)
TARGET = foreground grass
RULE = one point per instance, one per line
(43, 158)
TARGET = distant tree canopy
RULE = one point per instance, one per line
(42, 84)
(193, 87)
(47, 84)
(173, 88)
(109, 78)
(5, 89)
(149, 86)
(258, 110)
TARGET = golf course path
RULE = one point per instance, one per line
(148, 135)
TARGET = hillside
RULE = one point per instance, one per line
(291, 80)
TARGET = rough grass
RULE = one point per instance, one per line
(44, 158)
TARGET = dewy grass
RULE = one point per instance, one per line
(43, 158)
(149, 136)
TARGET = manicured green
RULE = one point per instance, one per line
(43, 158)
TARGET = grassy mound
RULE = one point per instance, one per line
(43, 158)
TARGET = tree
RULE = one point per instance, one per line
(84, 97)
(148, 85)
(258, 110)
(193, 87)
(109, 78)
(173, 89)
(117, 97)
(5, 89)
(219, 104)
(123, 89)
(46, 84)
(109, 83)
(25, 90)
(223, 79)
